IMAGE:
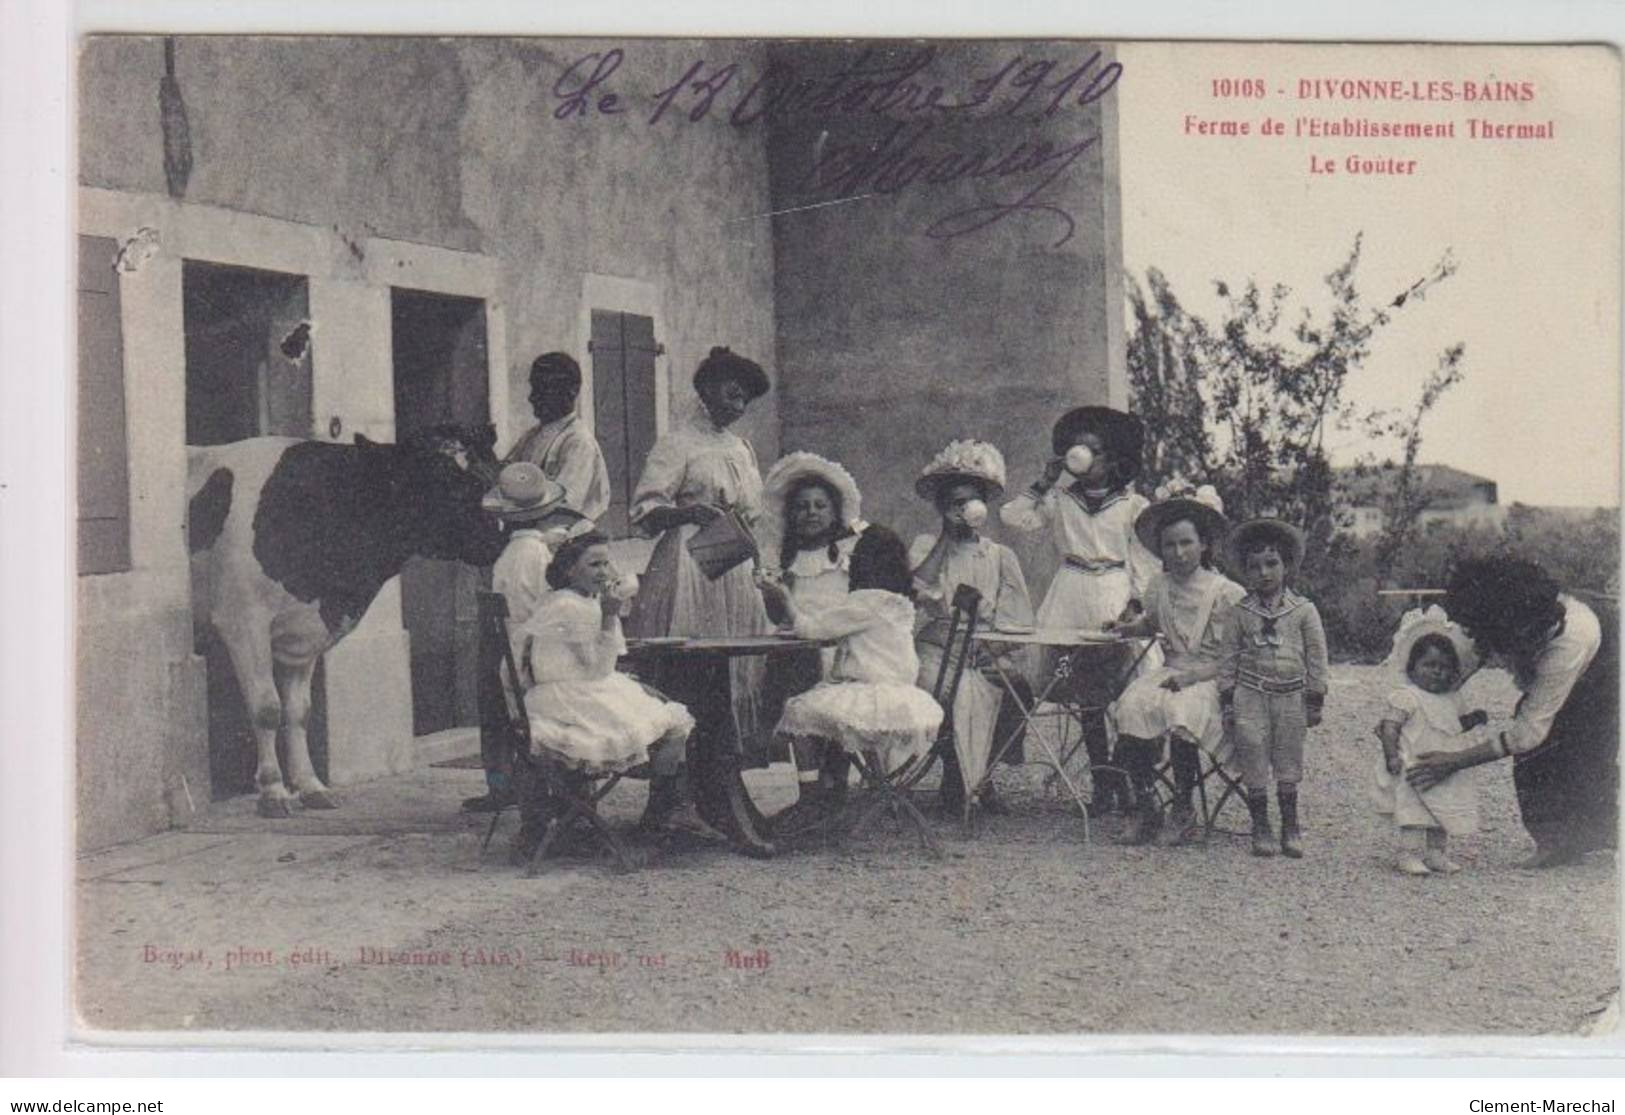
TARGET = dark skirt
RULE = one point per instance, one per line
(1568, 787)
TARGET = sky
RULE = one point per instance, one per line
(1534, 226)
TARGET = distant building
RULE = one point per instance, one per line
(1449, 495)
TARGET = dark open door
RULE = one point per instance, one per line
(441, 375)
(623, 386)
(248, 373)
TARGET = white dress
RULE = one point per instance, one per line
(1103, 565)
(869, 701)
(697, 463)
(1428, 722)
(582, 712)
(815, 582)
(1191, 616)
(993, 570)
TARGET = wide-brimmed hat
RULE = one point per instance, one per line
(1202, 507)
(1278, 532)
(965, 461)
(723, 363)
(1121, 434)
(1417, 623)
(523, 493)
(789, 471)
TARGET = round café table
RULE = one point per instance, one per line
(715, 767)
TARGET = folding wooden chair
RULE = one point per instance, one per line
(545, 790)
(1089, 697)
(893, 789)
(1210, 775)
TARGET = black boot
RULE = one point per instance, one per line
(1290, 833)
(1183, 826)
(1138, 756)
(1258, 804)
(665, 794)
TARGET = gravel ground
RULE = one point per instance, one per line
(244, 924)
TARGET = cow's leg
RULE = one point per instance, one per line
(293, 683)
(248, 641)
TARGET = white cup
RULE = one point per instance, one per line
(624, 587)
(1079, 459)
(975, 513)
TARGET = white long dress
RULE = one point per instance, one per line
(582, 712)
(1191, 615)
(698, 463)
(869, 701)
(1428, 722)
(994, 571)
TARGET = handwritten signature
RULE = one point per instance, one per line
(1021, 89)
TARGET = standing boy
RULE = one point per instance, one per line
(1272, 684)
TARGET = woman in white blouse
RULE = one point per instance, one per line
(697, 471)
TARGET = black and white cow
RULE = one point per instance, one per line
(291, 541)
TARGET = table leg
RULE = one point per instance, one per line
(719, 788)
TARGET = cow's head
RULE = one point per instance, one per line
(472, 447)
(432, 492)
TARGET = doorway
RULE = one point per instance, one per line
(248, 374)
(442, 374)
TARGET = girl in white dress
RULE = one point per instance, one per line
(868, 702)
(1427, 714)
(582, 712)
(959, 482)
(811, 523)
(1188, 604)
(1086, 500)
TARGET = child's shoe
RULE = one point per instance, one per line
(1258, 804)
(1183, 828)
(1436, 860)
(1409, 863)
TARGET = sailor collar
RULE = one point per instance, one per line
(1093, 505)
(1289, 602)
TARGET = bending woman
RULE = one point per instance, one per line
(1564, 735)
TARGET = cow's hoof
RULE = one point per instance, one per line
(274, 807)
(319, 799)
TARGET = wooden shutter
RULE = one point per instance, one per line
(104, 471)
(623, 384)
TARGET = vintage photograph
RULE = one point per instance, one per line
(881, 537)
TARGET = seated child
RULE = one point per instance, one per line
(1188, 604)
(1272, 684)
(868, 701)
(1423, 715)
(534, 512)
(583, 713)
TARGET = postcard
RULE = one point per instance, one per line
(1183, 598)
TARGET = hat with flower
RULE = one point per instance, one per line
(1177, 500)
(964, 461)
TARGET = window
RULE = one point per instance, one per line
(623, 400)
(104, 471)
(247, 353)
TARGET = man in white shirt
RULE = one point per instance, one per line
(560, 444)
